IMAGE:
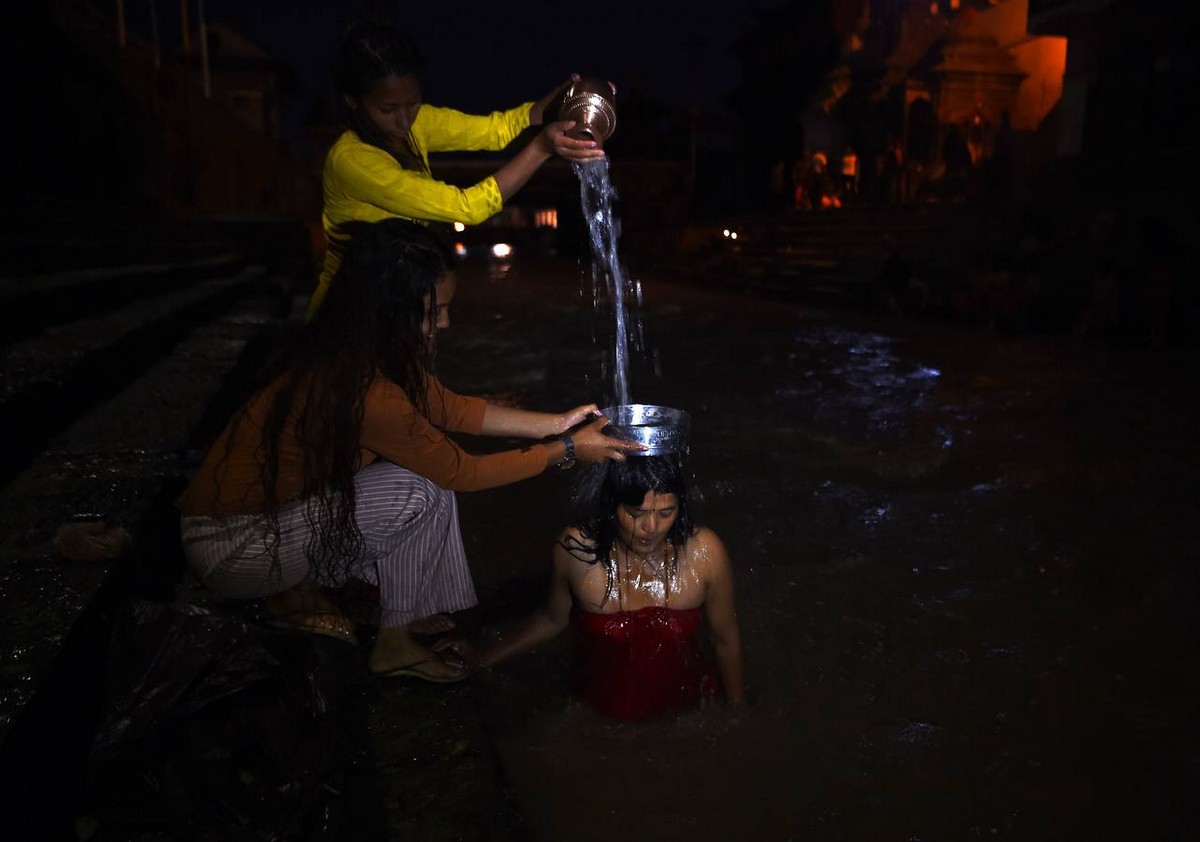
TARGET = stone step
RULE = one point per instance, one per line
(103, 409)
(33, 304)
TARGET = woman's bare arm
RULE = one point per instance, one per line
(501, 420)
(543, 624)
(720, 610)
(550, 141)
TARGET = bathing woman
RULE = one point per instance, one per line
(340, 468)
(637, 581)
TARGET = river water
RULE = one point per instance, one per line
(966, 581)
(965, 565)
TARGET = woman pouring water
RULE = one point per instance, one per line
(379, 166)
(340, 468)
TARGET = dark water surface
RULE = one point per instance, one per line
(966, 570)
(965, 561)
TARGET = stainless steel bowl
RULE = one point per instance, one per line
(662, 429)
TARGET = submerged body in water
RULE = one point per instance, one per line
(642, 664)
(637, 580)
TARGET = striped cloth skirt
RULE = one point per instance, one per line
(413, 550)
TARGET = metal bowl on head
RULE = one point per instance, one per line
(660, 428)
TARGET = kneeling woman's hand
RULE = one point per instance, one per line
(459, 653)
(591, 445)
(572, 418)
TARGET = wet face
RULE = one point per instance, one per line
(438, 317)
(643, 528)
(392, 106)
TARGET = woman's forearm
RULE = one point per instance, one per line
(531, 632)
(521, 423)
(517, 171)
(552, 140)
(729, 665)
(509, 421)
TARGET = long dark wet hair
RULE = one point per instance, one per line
(370, 324)
(600, 488)
(373, 50)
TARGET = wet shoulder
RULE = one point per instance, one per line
(706, 552)
(587, 580)
(573, 551)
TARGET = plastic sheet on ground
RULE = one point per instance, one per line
(211, 732)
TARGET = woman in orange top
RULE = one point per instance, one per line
(341, 467)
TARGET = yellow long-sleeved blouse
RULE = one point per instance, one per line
(363, 182)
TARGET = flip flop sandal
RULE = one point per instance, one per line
(414, 670)
(310, 622)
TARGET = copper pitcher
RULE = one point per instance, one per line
(589, 102)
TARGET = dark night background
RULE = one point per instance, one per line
(504, 52)
(950, 430)
(491, 55)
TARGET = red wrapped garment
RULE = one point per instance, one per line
(642, 664)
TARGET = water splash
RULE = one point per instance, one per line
(597, 195)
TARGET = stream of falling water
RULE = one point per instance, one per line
(596, 194)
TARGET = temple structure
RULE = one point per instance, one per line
(984, 73)
(945, 85)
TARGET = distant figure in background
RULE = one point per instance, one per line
(379, 167)
(778, 183)
(999, 167)
(821, 191)
(636, 578)
(958, 163)
(901, 293)
(800, 197)
(1162, 261)
(1099, 316)
(898, 176)
(849, 186)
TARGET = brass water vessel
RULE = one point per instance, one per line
(590, 102)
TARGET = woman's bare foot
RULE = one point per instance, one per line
(398, 654)
(433, 624)
(307, 608)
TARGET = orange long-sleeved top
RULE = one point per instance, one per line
(228, 481)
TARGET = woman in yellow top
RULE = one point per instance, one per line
(379, 167)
